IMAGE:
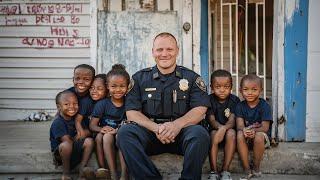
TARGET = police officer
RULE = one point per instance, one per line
(165, 103)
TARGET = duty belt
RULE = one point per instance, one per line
(161, 120)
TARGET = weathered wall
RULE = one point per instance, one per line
(313, 73)
(40, 44)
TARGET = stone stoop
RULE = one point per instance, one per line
(24, 148)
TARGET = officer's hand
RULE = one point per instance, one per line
(164, 140)
(170, 131)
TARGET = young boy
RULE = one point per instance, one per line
(222, 122)
(67, 151)
(82, 79)
(254, 119)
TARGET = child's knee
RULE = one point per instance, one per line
(88, 142)
(98, 138)
(108, 139)
(259, 138)
(231, 134)
(65, 148)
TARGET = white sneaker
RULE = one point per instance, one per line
(225, 175)
(213, 176)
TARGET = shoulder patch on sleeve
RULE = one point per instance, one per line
(130, 86)
(201, 84)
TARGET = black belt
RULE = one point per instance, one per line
(161, 120)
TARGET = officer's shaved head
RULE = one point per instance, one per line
(165, 34)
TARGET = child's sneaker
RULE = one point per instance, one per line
(103, 173)
(256, 173)
(225, 175)
(213, 176)
(247, 176)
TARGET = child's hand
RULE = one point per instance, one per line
(106, 129)
(249, 132)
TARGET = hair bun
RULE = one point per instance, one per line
(118, 67)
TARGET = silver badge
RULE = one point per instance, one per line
(183, 84)
(227, 112)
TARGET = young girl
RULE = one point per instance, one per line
(107, 116)
(98, 92)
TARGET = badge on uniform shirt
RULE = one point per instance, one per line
(130, 86)
(183, 84)
(227, 112)
(200, 83)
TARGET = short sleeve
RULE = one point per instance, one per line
(238, 110)
(235, 101)
(58, 129)
(266, 112)
(198, 96)
(133, 97)
(85, 106)
(98, 109)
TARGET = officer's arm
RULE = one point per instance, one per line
(142, 120)
(192, 117)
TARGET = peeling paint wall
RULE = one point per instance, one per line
(126, 37)
(313, 85)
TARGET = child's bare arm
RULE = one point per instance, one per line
(78, 121)
(94, 125)
(212, 121)
(240, 123)
(264, 127)
(231, 121)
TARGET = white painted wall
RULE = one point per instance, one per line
(41, 41)
(313, 74)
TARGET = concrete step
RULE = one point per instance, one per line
(24, 148)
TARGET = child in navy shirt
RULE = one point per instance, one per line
(67, 151)
(82, 79)
(107, 116)
(222, 122)
(98, 92)
(254, 119)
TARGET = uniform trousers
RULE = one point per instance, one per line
(138, 143)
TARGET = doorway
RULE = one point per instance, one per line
(241, 33)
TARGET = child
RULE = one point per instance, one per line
(222, 121)
(82, 80)
(254, 119)
(107, 116)
(67, 151)
(98, 92)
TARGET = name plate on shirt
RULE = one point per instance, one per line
(150, 89)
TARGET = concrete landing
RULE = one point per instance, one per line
(24, 148)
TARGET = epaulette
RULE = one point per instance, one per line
(147, 69)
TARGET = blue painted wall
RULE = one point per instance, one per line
(295, 72)
(204, 58)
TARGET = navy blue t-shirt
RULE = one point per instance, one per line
(59, 128)
(221, 111)
(262, 112)
(108, 113)
(86, 105)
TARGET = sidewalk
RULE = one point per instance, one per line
(24, 148)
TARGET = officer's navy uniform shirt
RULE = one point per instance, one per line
(262, 112)
(152, 93)
(108, 113)
(59, 128)
(219, 110)
(86, 105)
